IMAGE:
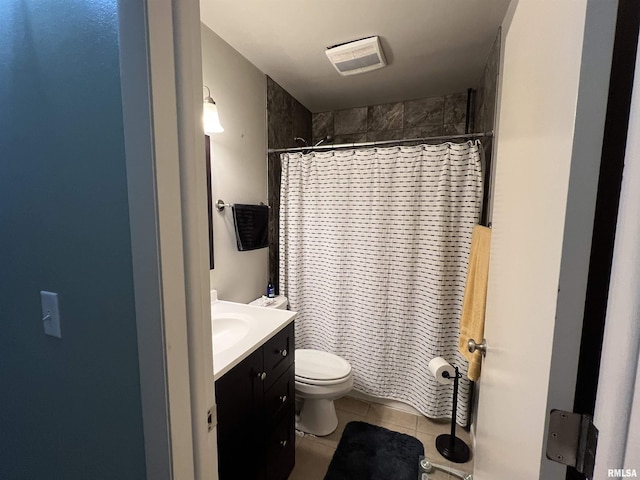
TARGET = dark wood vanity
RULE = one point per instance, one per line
(256, 413)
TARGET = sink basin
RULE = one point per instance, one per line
(228, 329)
(238, 330)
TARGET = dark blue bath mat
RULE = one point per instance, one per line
(368, 452)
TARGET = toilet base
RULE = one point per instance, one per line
(317, 417)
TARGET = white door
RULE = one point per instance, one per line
(553, 92)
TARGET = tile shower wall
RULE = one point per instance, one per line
(286, 119)
(484, 118)
(487, 93)
(426, 117)
(433, 116)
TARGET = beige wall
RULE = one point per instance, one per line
(238, 163)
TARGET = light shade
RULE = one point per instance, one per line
(211, 119)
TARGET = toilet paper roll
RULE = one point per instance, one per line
(438, 366)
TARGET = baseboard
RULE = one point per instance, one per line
(395, 404)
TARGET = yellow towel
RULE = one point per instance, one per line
(475, 298)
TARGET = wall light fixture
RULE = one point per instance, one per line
(211, 119)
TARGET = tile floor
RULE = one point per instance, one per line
(313, 454)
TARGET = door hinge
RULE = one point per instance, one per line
(572, 441)
(211, 418)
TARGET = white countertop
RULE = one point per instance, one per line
(263, 323)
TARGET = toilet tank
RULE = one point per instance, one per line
(279, 301)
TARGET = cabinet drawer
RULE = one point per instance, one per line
(281, 446)
(279, 394)
(278, 354)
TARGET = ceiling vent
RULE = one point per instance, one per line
(357, 57)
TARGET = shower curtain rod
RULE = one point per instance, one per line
(384, 142)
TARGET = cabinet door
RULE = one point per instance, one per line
(281, 445)
(239, 394)
(278, 354)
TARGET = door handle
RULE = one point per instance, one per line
(473, 346)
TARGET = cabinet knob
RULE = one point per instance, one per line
(284, 352)
(283, 443)
(283, 398)
(262, 375)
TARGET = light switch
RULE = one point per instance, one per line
(50, 314)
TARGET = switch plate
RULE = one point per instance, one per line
(50, 314)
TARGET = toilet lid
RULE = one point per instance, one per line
(318, 365)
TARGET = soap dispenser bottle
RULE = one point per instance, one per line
(271, 292)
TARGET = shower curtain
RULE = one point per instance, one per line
(374, 246)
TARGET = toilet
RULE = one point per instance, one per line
(320, 377)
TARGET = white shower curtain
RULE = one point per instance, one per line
(374, 246)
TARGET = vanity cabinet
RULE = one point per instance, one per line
(256, 413)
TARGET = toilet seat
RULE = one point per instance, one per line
(311, 381)
(315, 367)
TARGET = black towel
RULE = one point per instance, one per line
(252, 226)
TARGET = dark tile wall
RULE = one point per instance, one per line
(484, 118)
(487, 93)
(286, 119)
(445, 115)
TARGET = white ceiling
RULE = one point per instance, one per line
(433, 47)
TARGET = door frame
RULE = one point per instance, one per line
(607, 202)
(614, 152)
(161, 80)
(593, 105)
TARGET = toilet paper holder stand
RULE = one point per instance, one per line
(451, 447)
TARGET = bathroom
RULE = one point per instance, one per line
(104, 201)
(242, 174)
